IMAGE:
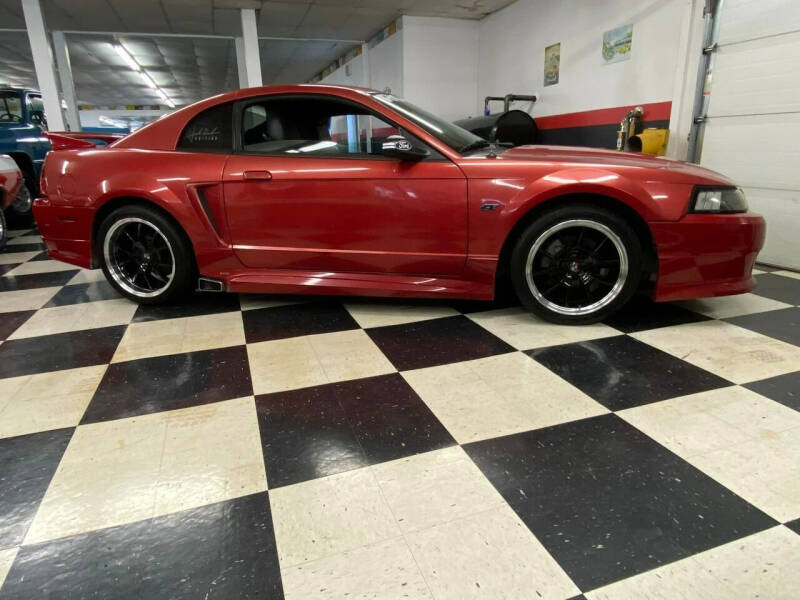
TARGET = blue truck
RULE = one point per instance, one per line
(22, 137)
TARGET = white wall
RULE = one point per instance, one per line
(340, 76)
(512, 43)
(386, 64)
(385, 67)
(440, 65)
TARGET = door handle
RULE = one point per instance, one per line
(257, 175)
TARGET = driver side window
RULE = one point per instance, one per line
(314, 127)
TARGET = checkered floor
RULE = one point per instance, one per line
(268, 447)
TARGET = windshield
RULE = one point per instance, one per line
(10, 107)
(454, 136)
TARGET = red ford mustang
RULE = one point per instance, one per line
(334, 190)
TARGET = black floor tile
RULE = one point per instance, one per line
(192, 306)
(27, 464)
(41, 256)
(794, 526)
(328, 429)
(83, 292)
(778, 287)
(436, 342)
(10, 321)
(783, 324)
(389, 419)
(37, 280)
(293, 320)
(504, 298)
(150, 385)
(59, 351)
(641, 313)
(7, 268)
(621, 372)
(219, 551)
(23, 248)
(783, 388)
(608, 502)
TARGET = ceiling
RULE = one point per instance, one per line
(191, 68)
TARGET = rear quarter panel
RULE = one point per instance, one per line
(80, 183)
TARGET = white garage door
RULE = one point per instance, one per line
(753, 129)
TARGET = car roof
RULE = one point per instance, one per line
(162, 134)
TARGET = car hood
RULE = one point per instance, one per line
(595, 157)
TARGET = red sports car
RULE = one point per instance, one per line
(334, 190)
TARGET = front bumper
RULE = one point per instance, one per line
(705, 255)
(66, 231)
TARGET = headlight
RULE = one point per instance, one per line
(718, 200)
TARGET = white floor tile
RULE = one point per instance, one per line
(17, 237)
(6, 560)
(328, 516)
(499, 395)
(10, 257)
(130, 469)
(724, 307)
(77, 317)
(383, 570)
(435, 487)
(40, 266)
(32, 299)
(46, 401)
(525, 331)
(489, 555)
(732, 352)
(792, 274)
(763, 565)
(293, 363)
(176, 336)
(748, 443)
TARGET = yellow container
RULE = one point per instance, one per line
(654, 141)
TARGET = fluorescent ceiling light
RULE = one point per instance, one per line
(148, 80)
(126, 56)
(131, 62)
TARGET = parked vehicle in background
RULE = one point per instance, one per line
(333, 190)
(10, 182)
(23, 128)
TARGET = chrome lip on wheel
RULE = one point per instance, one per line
(576, 267)
(139, 257)
(23, 201)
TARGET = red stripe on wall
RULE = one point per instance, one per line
(656, 111)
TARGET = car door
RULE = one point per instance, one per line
(309, 189)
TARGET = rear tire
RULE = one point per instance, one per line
(576, 264)
(20, 211)
(145, 256)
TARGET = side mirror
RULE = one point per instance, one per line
(37, 118)
(396, 146)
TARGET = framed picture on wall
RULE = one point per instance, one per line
(617, 44)
(552, 64)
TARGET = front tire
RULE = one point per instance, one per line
(145, 256)
(576, 265)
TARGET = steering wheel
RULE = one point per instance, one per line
(9, 117)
